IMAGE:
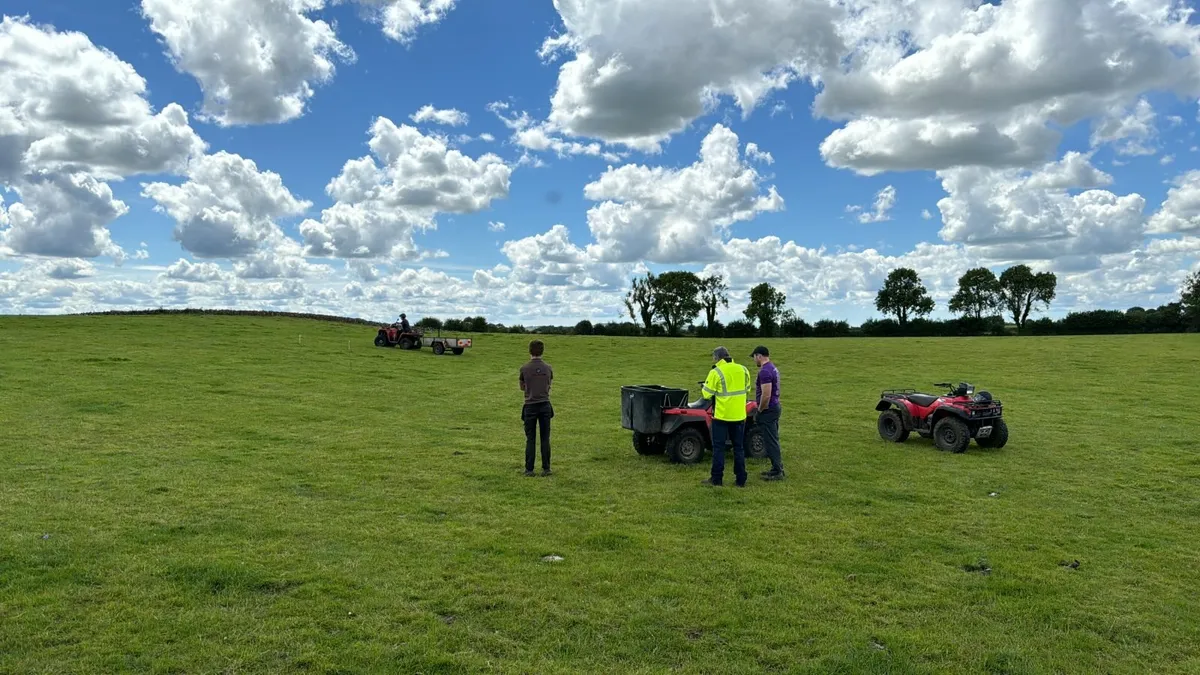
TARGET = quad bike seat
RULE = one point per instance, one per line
(922, 399)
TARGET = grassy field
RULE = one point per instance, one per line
(212, 494)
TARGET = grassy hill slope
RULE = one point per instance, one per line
(209, 493)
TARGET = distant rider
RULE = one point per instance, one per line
(404, 326)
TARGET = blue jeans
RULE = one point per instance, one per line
(721, 432)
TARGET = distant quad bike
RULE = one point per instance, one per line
(662, 422)
(392, 336)
(951, 420)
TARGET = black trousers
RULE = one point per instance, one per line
(769, 421)
(535, 416)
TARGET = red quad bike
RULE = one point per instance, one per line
(392, 336)
(662, 421)
(952, 420)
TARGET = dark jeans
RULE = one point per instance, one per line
(537, 415)
(721, 432)
(769, 421)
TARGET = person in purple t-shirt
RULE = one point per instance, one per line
(766, 393)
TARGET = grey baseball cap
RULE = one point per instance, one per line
(720, 353)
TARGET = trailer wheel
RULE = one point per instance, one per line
(439, 348)
(458, 351)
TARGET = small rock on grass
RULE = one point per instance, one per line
(552, 558)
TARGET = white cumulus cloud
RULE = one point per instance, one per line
(409, 178)
(1023, 215)
(449, 117)
(260, 61)
(676, 215)
(227, 207)
(885, 199)
(1180, 212)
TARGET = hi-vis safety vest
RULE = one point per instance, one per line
(729, 384)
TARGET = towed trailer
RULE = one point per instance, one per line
(392, 336)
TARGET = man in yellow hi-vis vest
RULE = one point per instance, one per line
(729, 384)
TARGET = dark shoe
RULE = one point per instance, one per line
(529, 473)
(774, 475)
(546, 472)
(708, 482)
(741, 485)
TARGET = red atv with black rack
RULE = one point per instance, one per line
(951, 420)
(662, 421)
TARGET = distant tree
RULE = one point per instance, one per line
(676, 299)
(740, 329)
(714, 293)
(831, 328)
(640, 301)
(1169, 318)
(795, 327)
(978, 293)
(584, 328)
(624, 329)
(476, 324)
(1021, 290)
(1042, 326)
(903, 295)
(430, 323)
(1190, 299)
(880, 328)
(767, 307)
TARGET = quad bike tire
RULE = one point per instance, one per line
(999, 437)
(380, 341)
(405, 343)
(755, 443)
(891, 426)
(951, 434)
(645, 444)
(686, 446)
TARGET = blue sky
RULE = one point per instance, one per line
(475, 53)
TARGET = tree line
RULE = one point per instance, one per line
(670, 304)
(673, 303)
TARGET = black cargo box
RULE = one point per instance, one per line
(642, 406)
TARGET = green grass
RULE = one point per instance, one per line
(215, 494)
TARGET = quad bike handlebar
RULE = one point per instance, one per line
(960, 389)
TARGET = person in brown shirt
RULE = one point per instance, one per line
(536, 377)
